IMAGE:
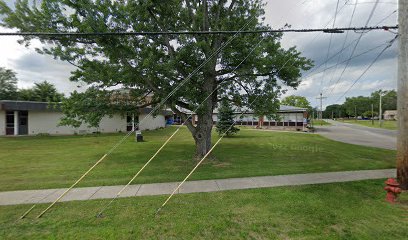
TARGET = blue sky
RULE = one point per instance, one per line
(32, 67)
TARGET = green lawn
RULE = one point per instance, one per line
(317, 122)
(354, 210)
(392, 125)
(57, 161)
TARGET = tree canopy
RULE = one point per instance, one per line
(156, 64)
(297, 101)
(361, 105)
(225, 119)
(8, 84)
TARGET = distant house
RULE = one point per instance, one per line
(289, 118)
(32, 118)
(390, 115)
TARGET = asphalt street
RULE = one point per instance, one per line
(359, 135)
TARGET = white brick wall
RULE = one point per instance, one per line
(46, 122)
(151, 122)
(2, 123)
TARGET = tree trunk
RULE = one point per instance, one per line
(202, 135)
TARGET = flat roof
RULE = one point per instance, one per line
(10, 105)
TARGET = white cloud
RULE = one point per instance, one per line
(32, 67)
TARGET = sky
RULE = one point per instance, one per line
(32, 67)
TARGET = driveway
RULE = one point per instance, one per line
(359, 135)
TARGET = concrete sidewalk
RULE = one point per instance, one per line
(87, 193)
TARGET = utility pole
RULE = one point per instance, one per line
(332, 115)
(372, 114)
(402, 93)
(380, 111)
(321, 105)
(312, 117)
(355, 113)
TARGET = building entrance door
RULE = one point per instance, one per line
(22, 122)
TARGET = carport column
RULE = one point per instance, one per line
(133, 122)
(402, 106)
(15, 122)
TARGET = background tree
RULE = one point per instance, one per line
(297, 101)
(26, 94)
(8, 84)
(46, 92)
(389, 100)
(336, 109)
(369, 114)
(225, 119)
(41, 92)
(156, 64)
(362, 105)
(358, 104)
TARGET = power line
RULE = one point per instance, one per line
(355, 56)
(355, 47)
(89, 34)
(209, 152)
(343, 45)
(174, 133)
(369, 66)
(330, 42)
(214, 53)
(386, 17)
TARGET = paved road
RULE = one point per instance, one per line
(103, 192)
(360, 135)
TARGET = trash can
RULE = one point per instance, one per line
(139, 136)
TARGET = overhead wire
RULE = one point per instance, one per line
(355, 47)
(330, 41)
(147, 116)
(174, 133)
(209, 152)
(343, 45)
(348, 59)
(368, 67)
(114, 34)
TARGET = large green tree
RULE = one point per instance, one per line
(225, 119)
(156, 64)
(335, 111)
(357, 105)
(8, 84)
(41, 92)
(388, 101)
(297, 101)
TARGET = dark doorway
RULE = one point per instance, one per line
(22, 122)
(130, 124)
(10, 123)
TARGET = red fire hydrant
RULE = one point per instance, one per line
(392, 189)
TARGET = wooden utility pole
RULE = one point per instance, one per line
(321, 105)
(402, 108)
(380, 111)
(355, 113)
(372, 114)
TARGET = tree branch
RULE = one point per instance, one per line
(184, 105)
(232, 5)
(184, 116)
(244, 75)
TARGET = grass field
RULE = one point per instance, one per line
(391, 125)
(354, 210)
(57, 161)
(317, 122)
